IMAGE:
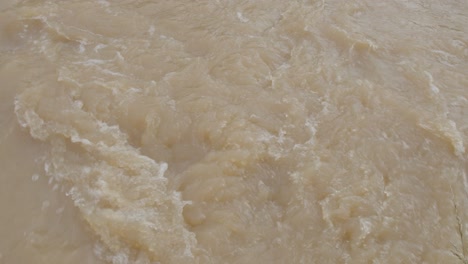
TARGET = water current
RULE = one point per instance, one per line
(217, 131)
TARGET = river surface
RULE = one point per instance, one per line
(267, 131)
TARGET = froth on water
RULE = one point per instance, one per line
(233, 131)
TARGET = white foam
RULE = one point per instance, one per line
(112, 73)
(81, 48)
(433, 87)
(242, 18)
(99, 47)
(103, 3)
(91, 62)
(35, 177)
(151, 30)
(78, 104)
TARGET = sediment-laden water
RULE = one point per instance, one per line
(262, 131)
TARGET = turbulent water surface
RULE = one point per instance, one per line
(264, 131)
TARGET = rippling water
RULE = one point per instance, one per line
(264, 131)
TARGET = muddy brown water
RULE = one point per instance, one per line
(233, 131)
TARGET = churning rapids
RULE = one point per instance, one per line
(222, 131)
